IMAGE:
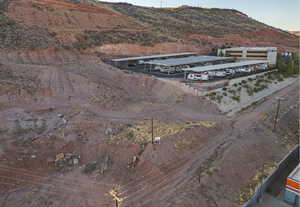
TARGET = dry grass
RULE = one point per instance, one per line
(248, 192)
(141, 132)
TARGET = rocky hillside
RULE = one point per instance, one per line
(103, 27)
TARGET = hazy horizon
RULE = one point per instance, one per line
(275, 13)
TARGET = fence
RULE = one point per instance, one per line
(280, 168)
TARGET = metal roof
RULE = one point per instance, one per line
(154, 56)
(187, 60)
(225, 66)
(295, 175)
(252, 48)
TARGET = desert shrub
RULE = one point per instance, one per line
(130, 134)
(224, 89)
(244, 81)
(212, 96)
(224, 94)
(13, 35)
(235, 85)
(219, 98)
(280, 79)
(232, 91)
(97, 38)
(250, 91)
(256, 89)
(246, 86)
(236, 98)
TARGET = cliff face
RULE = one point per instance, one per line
(86, 24)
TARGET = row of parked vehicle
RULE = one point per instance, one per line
(211, 75)
(176, 69)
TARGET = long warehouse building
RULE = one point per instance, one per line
(226, 66)
(125, 62)
(189, 61)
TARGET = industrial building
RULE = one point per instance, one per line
(292, 188)
(177, 64)
(223, 70)
(125, 62)
(251, 53)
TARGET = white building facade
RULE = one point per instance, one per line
(252, 53)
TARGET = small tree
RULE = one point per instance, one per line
(221, 54)
(296, 59)
(281, 65)
(290, 67)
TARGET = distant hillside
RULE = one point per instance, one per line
(295, 33)
(83, 24)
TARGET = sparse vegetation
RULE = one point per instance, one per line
(97, 38)
(261, 174)
(236, 98)
(141, 132)
(15, 36)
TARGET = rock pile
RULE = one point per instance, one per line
(64, 160)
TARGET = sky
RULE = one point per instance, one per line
(283, 14)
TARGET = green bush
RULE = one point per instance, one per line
(236, 98)
(246, 86)
(130, 134)
(250, 91)
(219, 98)
(232, 91)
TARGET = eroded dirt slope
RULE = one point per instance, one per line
(62, 102)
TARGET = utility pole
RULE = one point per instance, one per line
(152, 133)
(116, 197)
(277, 113)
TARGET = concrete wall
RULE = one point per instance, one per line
(280, 168)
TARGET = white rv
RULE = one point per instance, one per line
(193, 76)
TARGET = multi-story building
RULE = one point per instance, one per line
(252, 53)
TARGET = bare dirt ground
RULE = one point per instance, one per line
(63, 102)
